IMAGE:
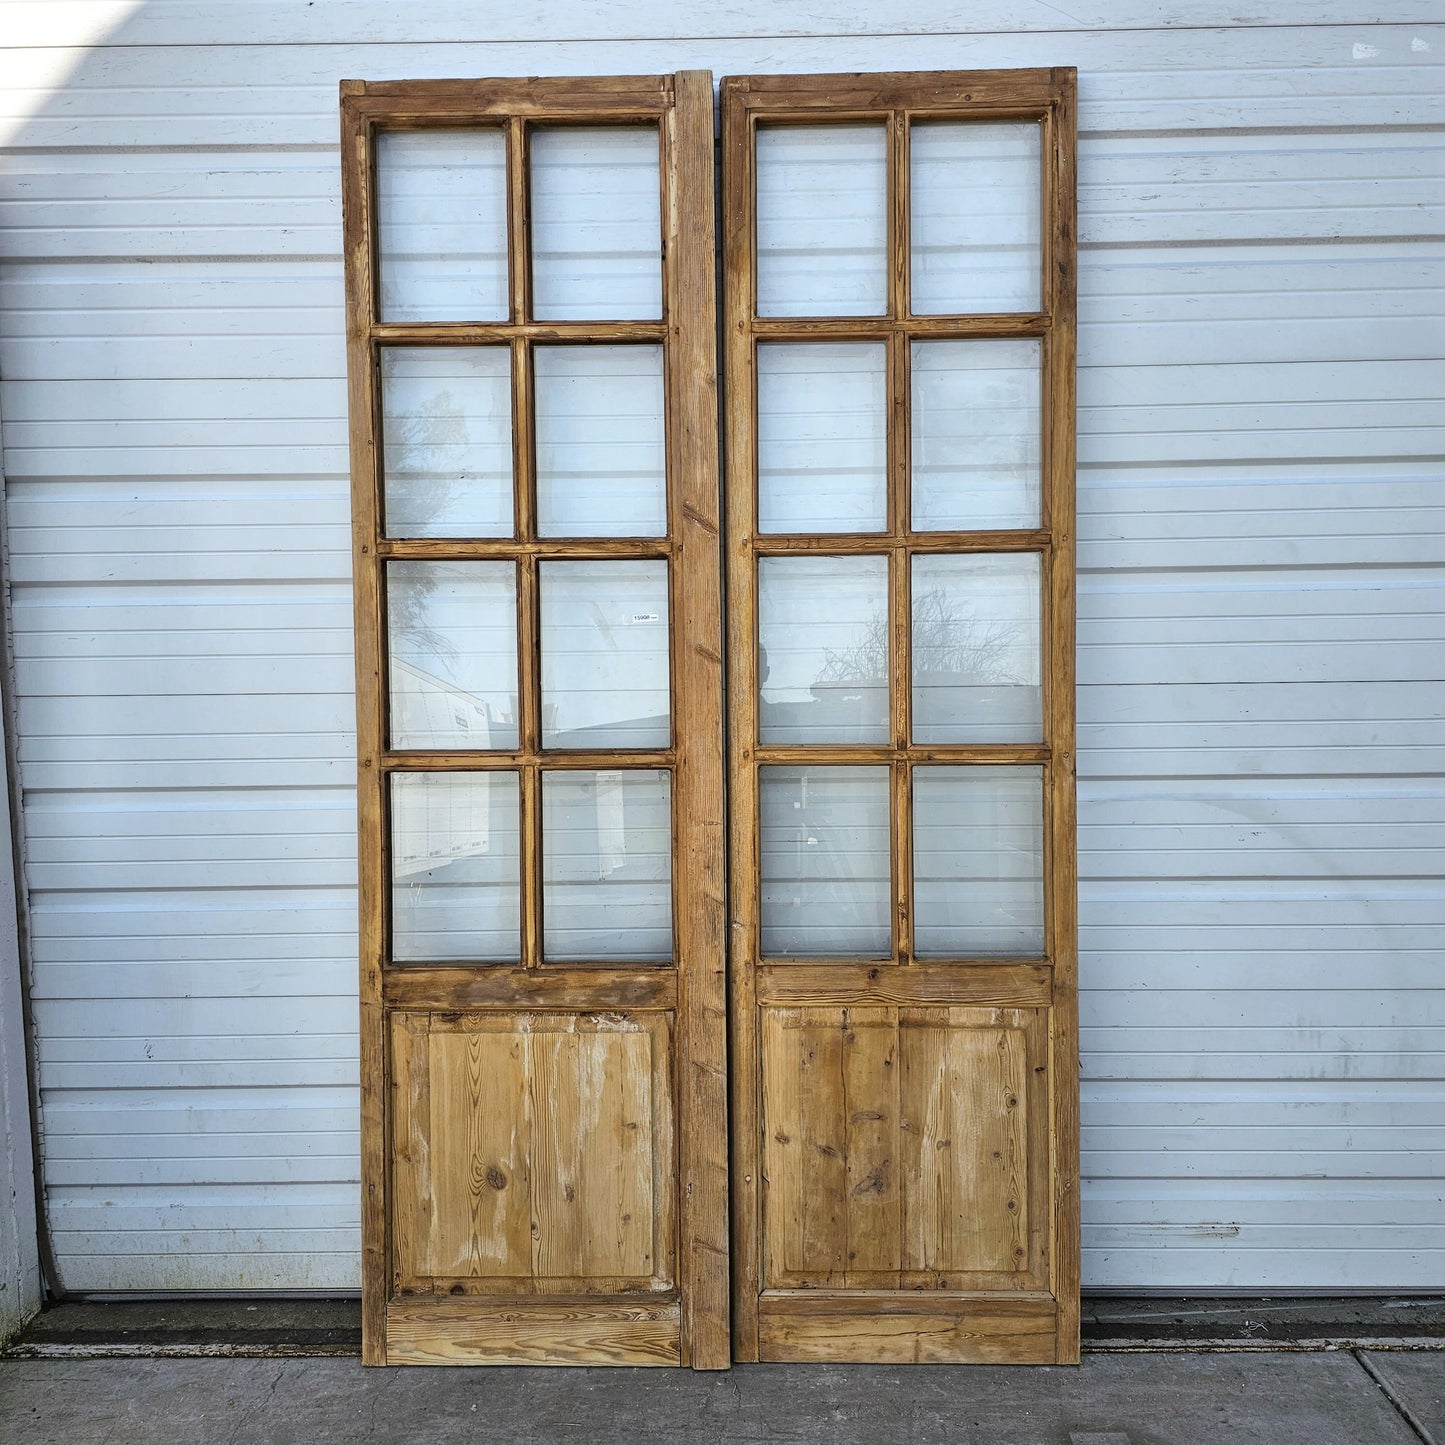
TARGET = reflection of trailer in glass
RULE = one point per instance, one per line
(442, 823)
(434, 712)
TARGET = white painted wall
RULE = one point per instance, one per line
(19, 1244)
(1261, 599)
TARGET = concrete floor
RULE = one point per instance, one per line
(1274, 1398)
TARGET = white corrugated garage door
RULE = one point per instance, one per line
(1261, 599)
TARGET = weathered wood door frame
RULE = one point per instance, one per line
(399, 1004)
(1031, 1316)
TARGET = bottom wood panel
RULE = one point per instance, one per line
(532, 1154)
(905, 1148)
(472, 1331)
(905, 1328)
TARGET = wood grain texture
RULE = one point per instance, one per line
(533, 1153)
(902, 1330)
(1012, 984)
(579, 99)
(465, 548)
(363, 405)
(780, 544)
(588, 990)
(467, 1331)
(918, 91)
(963, 1138)
(498, 333)
(901, 1148)
(412, 1211)
(881, 753)
(696, 525)
(741, 511)
(1061, 922)
(556, 761)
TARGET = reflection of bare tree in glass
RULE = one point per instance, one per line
(421, 490)
(947, 642)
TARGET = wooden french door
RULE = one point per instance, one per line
(548, 1048)
(531, 333)
(899, 263)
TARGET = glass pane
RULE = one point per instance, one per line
(976, 422)
(823, 649)
(976, 642)
(604, 655)
(441, 201)
(453, 659)
(976, 202)
(822, 220)
(455, 867)
(822, 437)
(826, 872)
(978, 861)
(446, 440)
(607, 865)
(596, 225)
(601, 454)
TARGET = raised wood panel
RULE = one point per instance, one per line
(904, 1148)
(533, 1153)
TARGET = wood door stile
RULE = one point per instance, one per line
(905, 1130)
(544, 1140)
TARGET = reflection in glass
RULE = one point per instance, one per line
(823, 649)
(601, 454)
(446, 429)
(455, 868)
(596, 224)
(604, 654)
(452, 663)
(976, 424)
(822, 220)
(978, 870)
(441, 202)
(976, 644)
(822, 437)
(825, 887)
(607, 865)
(976, 207)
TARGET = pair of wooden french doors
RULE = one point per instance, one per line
(716, 861)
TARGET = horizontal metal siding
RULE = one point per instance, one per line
(1260, 614)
